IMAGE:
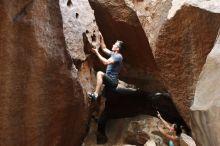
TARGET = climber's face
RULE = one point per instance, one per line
(115, 47)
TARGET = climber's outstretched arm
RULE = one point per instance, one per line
(103, 46)
(103, 59)
(164, 122)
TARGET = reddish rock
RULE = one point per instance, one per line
(135, 133)
(183, 43)
(181, 50)
(129, 132)
(152, 15)
(41, 101)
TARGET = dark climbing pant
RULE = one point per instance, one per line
(110, 85)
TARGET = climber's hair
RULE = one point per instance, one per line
(177, 129)
(121, 45)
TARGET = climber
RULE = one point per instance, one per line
(169, 131)
(114, 63)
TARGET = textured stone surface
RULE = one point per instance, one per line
(118, 130)
(81, 34)
(206, 106)
(129, 103)
(135, 133)
(210, 5)
(117, 21)
(41, 101)
(79, 24)
(152, 15)
(181, 49)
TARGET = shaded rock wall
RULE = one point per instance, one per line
(41, 101)
(126, 103)
(206, 106)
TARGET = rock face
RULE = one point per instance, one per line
(79, 26)
(206, 106)
(117, 21)
(42, 103)
(81, 33)
(180, 41)
(181, 49)
(152, 15)
(130, 131)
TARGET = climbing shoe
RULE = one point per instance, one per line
(92, 96)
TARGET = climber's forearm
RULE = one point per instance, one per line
(101, 58)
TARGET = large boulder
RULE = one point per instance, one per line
(42, 102)
(182, 46)
(132, 131)
(206, 106)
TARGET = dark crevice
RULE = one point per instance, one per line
(77, 63)
(122, 103)
(77, 15)
(87, 45)
(69, 3)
